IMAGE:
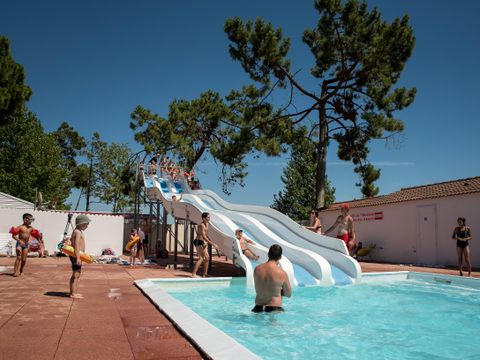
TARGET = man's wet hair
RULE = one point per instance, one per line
(27, 215)
(463, 220)
(204, 215)
(275, 252)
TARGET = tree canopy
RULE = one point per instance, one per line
(358, 58)
(226, 129)
(71, 144)
(13, 90)
(114, 184)
(297, 198)
(30, 161)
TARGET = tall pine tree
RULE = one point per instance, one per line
(298, 196)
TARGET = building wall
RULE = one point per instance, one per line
(396, 229)
(104, 231)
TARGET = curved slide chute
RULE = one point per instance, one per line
(309, 258)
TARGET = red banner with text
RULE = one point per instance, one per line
(368, 216)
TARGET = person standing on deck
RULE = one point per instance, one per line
(346, 230)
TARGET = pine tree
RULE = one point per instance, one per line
(297, 198)
(357, 61)
(14, 93)
(31, 160)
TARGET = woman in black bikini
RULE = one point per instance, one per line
(315, 224)
(201, 243)
(463, 235)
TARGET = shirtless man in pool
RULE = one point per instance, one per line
(271, 283)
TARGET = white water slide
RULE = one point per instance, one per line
(308, 258)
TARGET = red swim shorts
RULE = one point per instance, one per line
(344, 237)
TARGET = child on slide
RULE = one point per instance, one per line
(243, 245)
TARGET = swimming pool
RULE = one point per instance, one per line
(402, 316)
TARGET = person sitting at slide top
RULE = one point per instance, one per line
(201, 245)
(315, 224)
(243, 245)
(346, 229)
(21, 234)
(169, 168)
(163, 164)
(152, 167)
(271, 283)
(78, 243)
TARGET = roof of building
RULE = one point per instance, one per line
(443, 189)
(9, 201)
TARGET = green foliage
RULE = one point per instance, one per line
(297, 198)
(13, 91)
(358, 60)
(205, 126)
(92, 152)
(31, 160)
(80, 176)
(71, 144)
(114, 180)
(225, 129)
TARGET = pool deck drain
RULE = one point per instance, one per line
(114, 321)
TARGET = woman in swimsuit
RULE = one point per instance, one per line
(315, 224)
(463, 235)
(201, 243)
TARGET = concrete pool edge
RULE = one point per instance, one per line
(213, 342)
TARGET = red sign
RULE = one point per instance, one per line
(368, 216)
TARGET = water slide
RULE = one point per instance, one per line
(309, 258)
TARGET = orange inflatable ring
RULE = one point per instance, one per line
(132, 243)
(70, 251)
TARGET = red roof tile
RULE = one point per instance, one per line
(443, 189)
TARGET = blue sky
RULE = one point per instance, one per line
(91, 62)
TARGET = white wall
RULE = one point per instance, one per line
(397, 234)
(104, 231)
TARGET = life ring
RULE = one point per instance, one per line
(132, 243)
(70, 251)
(34, 245)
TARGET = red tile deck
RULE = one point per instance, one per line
(114, 321)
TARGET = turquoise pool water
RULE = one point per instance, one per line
(405, 319)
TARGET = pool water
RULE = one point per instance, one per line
(404, 319)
